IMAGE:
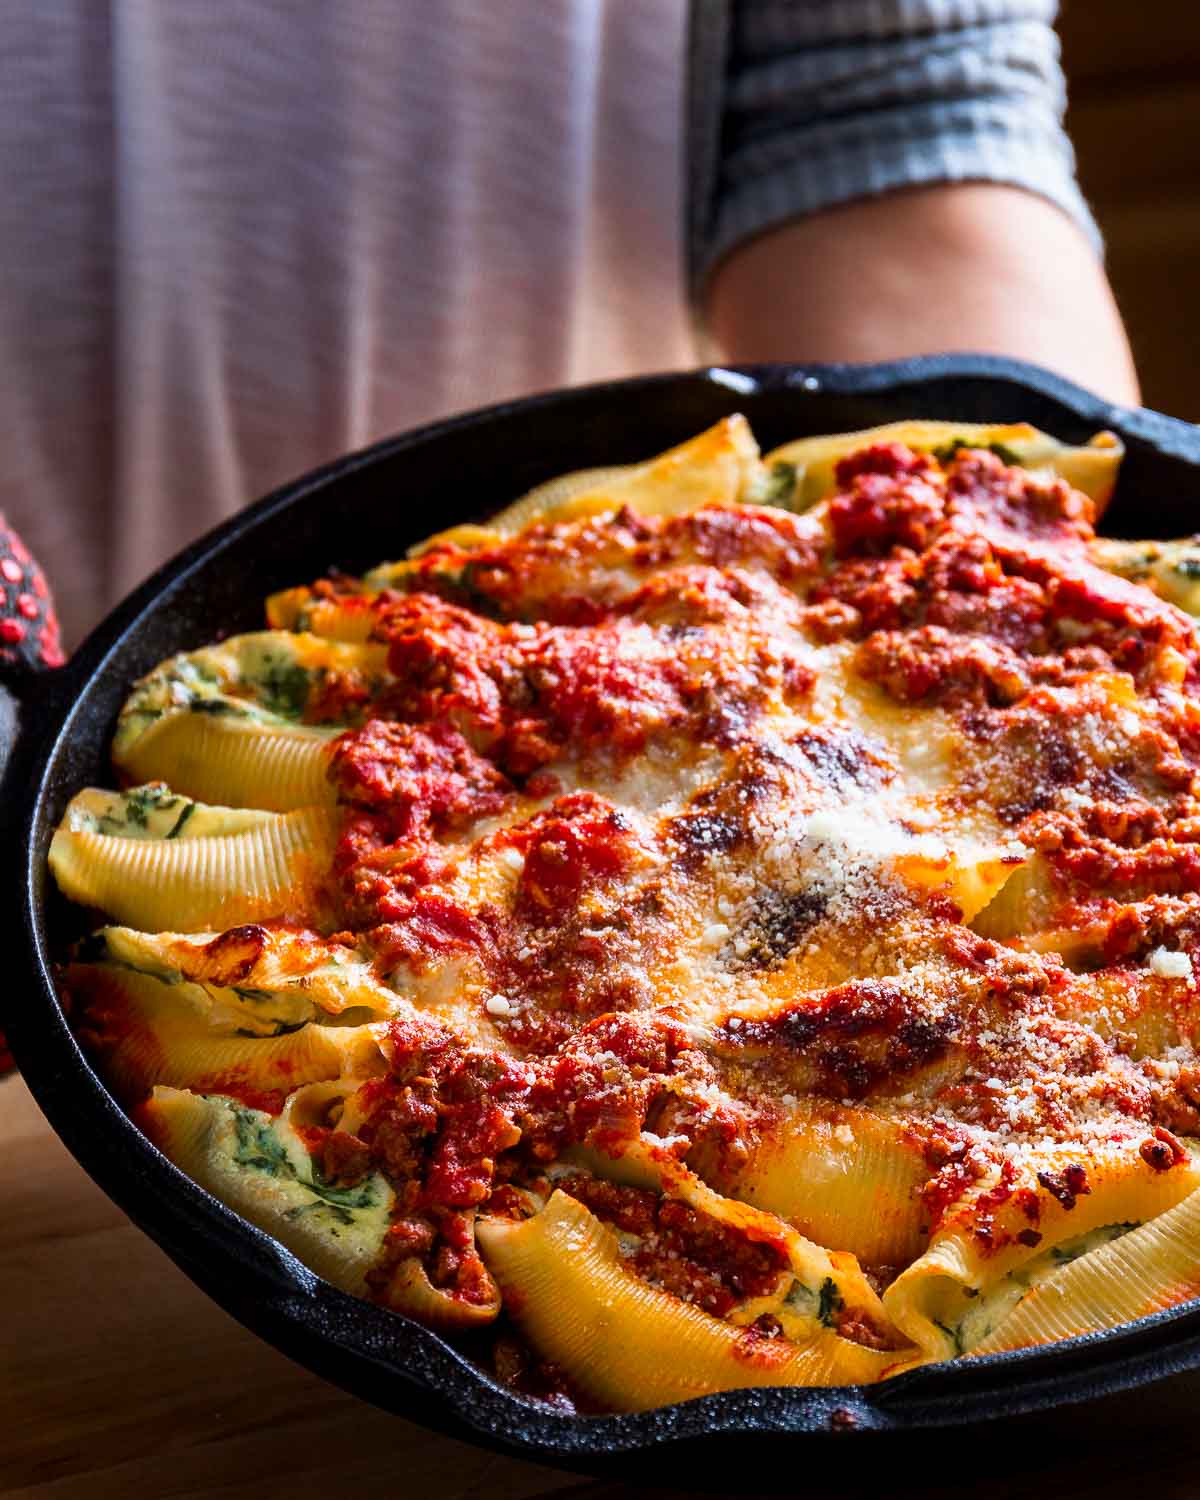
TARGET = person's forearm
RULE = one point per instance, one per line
(953, 267)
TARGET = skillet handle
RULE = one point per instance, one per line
(30, 648)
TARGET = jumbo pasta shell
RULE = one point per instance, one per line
(241, 1156)
(811, 461)
(272, 870)
(153, 1032)
(278, 677)
(940, 1302)
(1151, 1268)
(719, 467)
(1171, 569)
(841, 1176)
(350, 618)
(239, 762)
(283, 967)
(973, 883)
(411, 1292)
(626, 1343)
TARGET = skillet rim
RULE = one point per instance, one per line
(353, 1342)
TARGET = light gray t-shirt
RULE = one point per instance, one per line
(240, 237)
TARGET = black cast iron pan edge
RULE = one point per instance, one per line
(363, 1347)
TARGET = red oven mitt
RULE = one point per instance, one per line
(29, 636)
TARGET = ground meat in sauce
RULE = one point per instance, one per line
(681, 1250)
(935, 665)
(419, 777)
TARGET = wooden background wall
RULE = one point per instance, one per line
(1133, 69)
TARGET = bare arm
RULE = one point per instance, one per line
(968, 266)
(879, 178)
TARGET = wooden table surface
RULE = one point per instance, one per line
(118, 1378)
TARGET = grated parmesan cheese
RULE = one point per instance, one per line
(1168, 965)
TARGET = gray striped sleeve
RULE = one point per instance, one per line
(798, 105)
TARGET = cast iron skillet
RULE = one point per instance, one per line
(353, 513)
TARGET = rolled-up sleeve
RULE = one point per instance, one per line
(799, 105)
